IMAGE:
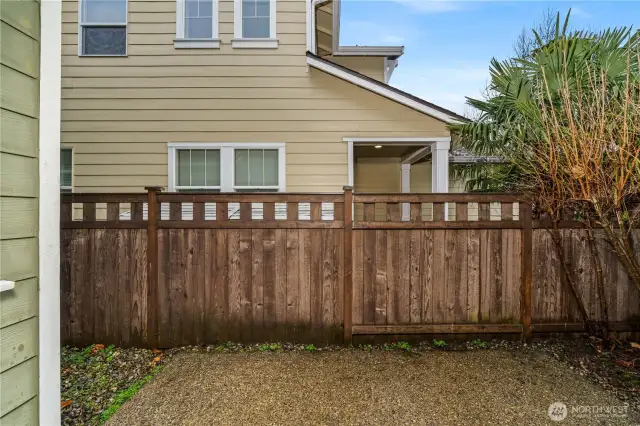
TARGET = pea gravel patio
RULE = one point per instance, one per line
(362, 388)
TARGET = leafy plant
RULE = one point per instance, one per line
(479, 343)
(404, 346)
(127, 394)
(310, 348)
(271, 347)
(439, 343)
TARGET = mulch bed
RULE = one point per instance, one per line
(613, 366)
(96, 380)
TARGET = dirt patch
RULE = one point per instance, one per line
(513, 386)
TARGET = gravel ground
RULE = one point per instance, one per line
(362, 387)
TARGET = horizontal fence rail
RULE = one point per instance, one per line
(169, 269)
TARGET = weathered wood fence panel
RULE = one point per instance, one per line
(249, 285)
(104, 285)
(436, 276)
(553, 302)
(170, 269)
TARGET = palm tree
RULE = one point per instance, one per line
(565, 121)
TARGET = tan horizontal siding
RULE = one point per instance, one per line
(120, 113)
(332, 115)
(370, 66)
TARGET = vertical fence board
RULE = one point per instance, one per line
(358, 276)
(211, 315)
(281, 284)
(473, 275)
(293, 273)
(304, 282)
(269, 282)
(222, 284)
(393, 269)
(439, 284)
(416, 256)
(403, 299)
(427, 276)
(257, 281)
(381, 277)
(235, 284)
(246, 292)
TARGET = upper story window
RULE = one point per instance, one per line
(255, 24)
(66, 170)
(197, 24)
(103, 27)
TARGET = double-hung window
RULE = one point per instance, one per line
(103, 27)
(227, 167)
(197, 24)
(66, 170)
(255, 24)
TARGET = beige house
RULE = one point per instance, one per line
(238, 95)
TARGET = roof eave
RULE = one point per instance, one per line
(384, 90)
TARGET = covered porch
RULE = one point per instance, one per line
(400, 165)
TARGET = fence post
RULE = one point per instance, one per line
(152, 265)
(526, 217)
(347, 315)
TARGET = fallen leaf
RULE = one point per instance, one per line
(97, 347)
(157, 351)
(635, 345)
(66, 403)
(626, 364)
(157, 359)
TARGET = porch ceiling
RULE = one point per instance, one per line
(385, 151)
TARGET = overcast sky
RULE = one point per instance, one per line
(448, 44)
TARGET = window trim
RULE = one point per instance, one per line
(69, 188)
(238, 42)
(182, 42)
(227, 163)
(82, 24)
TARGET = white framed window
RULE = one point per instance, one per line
(102, 27)
(227, 167)
(197, 24)
(197, 169)
(254, 24)
(66, 170)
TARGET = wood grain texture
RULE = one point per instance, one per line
(258, 284)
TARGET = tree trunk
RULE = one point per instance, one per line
(597, 263)
(568, 277)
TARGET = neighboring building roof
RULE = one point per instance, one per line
(383, 89)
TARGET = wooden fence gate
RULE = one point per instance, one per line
(170, 269)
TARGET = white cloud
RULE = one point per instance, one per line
(578, 12)
(371, 33)
(444, 86)
(431, 6)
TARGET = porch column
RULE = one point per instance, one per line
(406, 188)
(440, 170)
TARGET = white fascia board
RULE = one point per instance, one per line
(380, 90)
(386, 51)
(399, 141)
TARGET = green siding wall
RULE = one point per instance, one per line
(19, 106)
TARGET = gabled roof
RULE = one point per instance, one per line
(384, 90)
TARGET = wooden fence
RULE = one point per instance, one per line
(169, 269)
